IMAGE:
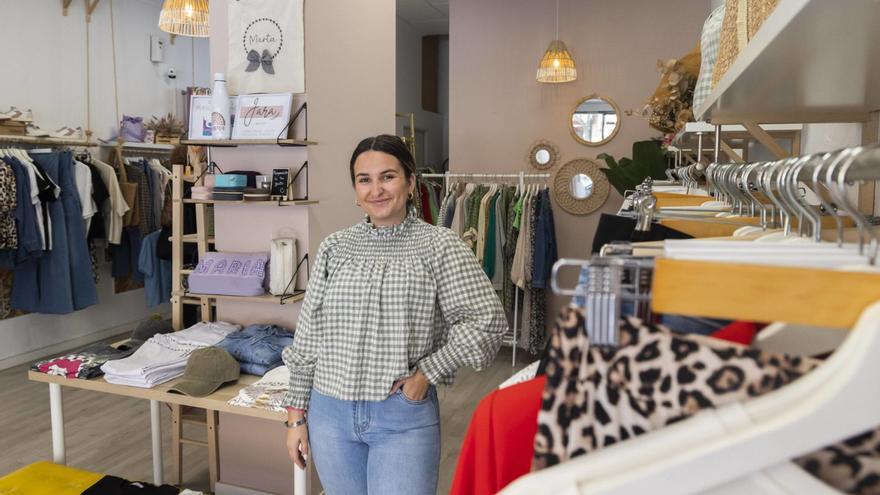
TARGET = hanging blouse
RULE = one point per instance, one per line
(596, 397)
(8, 202)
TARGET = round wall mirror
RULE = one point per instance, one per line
(581, 186)
(542, 154)
(595, 120)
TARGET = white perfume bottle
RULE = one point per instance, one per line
(220, 123)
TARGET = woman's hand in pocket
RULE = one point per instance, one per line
(414, 387)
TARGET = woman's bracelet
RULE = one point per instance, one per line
(296, 423)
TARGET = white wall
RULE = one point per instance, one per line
(44, 54)
(44, 57)
(409, 92)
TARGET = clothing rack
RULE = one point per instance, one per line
(521, 177)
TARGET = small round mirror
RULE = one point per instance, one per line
(595, 120)
(542, 156)
(581, 186)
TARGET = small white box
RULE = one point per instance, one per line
(157, 49)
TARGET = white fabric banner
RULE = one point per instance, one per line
(266, 47)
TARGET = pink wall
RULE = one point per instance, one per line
(350, 82)
(497, 109)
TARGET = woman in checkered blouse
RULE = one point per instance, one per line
(393, 308)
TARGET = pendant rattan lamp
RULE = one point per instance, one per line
(185, 18)
(556, 65)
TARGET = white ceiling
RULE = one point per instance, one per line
(426, 16)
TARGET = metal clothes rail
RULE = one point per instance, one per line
(522, 176)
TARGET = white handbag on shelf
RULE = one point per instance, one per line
(282, 265)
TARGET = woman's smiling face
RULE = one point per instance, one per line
(381, 187)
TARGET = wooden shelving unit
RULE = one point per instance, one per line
(698, 139)
(266, 298)
(297, 202)
(142, 146)
(179, 296)
(811, 61)
(231, 143)
(194, 238)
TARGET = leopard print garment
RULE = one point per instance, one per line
(656, 377)
(8, 203)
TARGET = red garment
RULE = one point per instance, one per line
(740, 332)
(426, 204)
(499, 443)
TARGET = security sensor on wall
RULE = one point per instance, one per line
(157, 49)
(171, 73)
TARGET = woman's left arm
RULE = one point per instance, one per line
(471, 309)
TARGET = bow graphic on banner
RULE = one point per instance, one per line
(255, 60)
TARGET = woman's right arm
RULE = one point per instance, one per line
(301, 356)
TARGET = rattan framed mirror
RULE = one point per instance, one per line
(542, 154)
(594, 120)
(579, 186)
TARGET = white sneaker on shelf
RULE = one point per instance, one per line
(35, 131)
(18, 115)
(68, 133)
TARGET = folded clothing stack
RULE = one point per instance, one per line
(164, 356)
(257, 348)
(266, 393)
(84, 364)
(228, 193)
(202, 192)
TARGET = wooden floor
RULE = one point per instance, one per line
(111, 434)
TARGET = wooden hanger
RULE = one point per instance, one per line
(827, 298)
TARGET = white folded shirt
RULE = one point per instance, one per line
(163, 357)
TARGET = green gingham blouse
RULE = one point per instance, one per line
(383, 302)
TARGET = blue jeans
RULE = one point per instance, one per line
(376, 448)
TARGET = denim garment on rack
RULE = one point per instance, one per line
(29, 242)
(156, 272)
(545, 254)
(259, 345)
(61, 281)
(679, 323)
(126, 254)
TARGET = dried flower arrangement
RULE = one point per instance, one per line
(669, 108)
(165, 126)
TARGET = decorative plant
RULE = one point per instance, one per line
(669, 108)
(165, 126)
(648, 161)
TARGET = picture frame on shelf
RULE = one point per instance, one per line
(262, 116)
(280, 183)
(200, 115)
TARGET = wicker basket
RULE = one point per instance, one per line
(742, 19)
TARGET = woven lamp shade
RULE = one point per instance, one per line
(556, 65)
(185, 18)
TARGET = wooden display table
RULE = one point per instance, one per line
(214, 403)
